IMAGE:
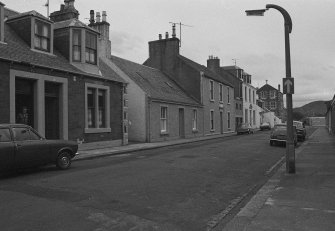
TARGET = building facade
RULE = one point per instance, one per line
(47, 73)
(206, 87)
(272, 99)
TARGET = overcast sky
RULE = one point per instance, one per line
(221, 28)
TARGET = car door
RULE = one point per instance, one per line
(31, 149)
(7, 149)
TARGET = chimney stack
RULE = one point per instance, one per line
(104, 16)
(279, 87)
(213, 63)
(92, 17)
(62, 7)
(173, 30)
(2, 22)
(160, 36)
(98, 17)
(166, 35)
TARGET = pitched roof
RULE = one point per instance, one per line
(29, 13)
(108, 72)
(72, 23)
(266, 87)
(208, 73)
(154, 82)
(231, 68)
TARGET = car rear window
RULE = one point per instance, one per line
(4, 135)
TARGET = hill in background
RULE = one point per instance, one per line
(316, 108)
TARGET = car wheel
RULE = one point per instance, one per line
(63, 160)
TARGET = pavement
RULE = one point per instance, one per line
(105, 148)
(302, 201)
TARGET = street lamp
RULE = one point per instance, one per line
(288, 83)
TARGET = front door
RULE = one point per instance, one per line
(181, 123)
(24, 101)
(52, 110)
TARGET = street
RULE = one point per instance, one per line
(192, 186)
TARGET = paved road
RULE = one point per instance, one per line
(185, 187)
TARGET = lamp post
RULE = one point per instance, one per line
(287, 83)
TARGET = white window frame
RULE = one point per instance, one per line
(211, 90)
(164, 120)
(211, 120)
(97, 129)
(195, 120)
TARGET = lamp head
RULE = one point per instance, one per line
(255, 12)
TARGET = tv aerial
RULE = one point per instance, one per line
(174, 29)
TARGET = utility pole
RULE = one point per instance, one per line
(180, 24)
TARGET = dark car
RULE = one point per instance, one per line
(22, 147)
(301, 130)
(265, 126)
(279, 134)
(244, 128)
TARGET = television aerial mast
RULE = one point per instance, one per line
(174, 29)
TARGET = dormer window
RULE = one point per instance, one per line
(76, 44)
(42, 36)
(91, 48)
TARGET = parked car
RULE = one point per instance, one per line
(301, 130)
(22, 147)
(279, 134)
(265, 126)
(244, 128)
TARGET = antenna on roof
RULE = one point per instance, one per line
(47, 6)
(173, 29)
(234, 61)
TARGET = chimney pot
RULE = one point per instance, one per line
(278, 87)
(92, 16)
(160, 36)
(98, 16)
(104, 16)
(166, 35)
(173, 30)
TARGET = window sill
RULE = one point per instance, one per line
(212, 100)
(97, 130)
(195, 131)
(164, 133)
(212, 130)
(42, 51)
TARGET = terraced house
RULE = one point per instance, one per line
(206, 87)
(53, 70)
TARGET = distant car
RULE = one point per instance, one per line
(22, 147)
(301, 130)
(279, 134)
(265, 126)
(244, 128)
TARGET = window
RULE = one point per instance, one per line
(236, 106)
(273, 105)
(91, 48)
(245, 94)
(249, 95)
(195, 120)
(125, 115)
(22, 134)
(163, 119)
(253, 97)
(254, 117)
(125, 103)
(263, 95)
(42, 36)
(76, 45)
(272, 94)
(245, 115)
(228, 116)
(4, 135)
(228, 95)
(102, 108)
(221, 92)
(91, 107)
(97, 111)
(211, 89)
(212, 120)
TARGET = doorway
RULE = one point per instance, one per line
(181, 123)
(24, 101)
(221, 122)
(52, 129)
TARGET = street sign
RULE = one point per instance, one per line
(288, 85)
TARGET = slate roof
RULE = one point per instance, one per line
(208, 73)
(154, 82)
(266, 87)
(72, 23)
(17, 50)
(29, 13)
(108, 72)
(231, 67)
